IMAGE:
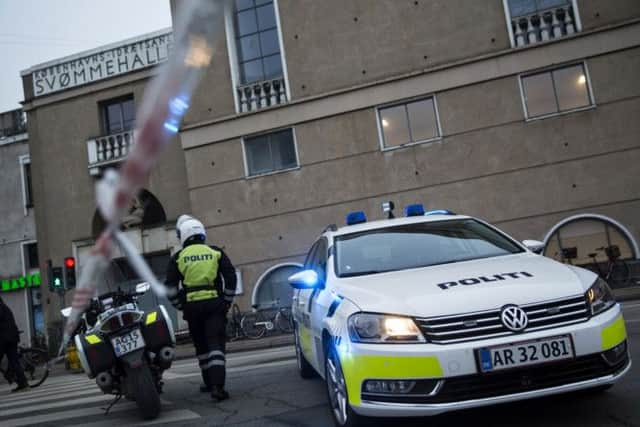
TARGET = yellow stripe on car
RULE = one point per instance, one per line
(151, 317)
(358, 368)
(93, 339)
(613, 334)
(305, 341)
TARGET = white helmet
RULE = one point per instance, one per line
(187, 227)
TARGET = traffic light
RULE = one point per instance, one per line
(70, 272)
(57, 279)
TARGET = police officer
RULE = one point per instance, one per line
(9, 338)
(208, 285)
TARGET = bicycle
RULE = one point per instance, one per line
(257, 323)
(233, 330)
(617, 271)
(34, 362)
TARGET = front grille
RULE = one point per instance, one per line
(487, 324)
(519, 380)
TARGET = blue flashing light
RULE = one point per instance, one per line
(356, 218)
(439, 212)
(309, 277)
(414, 210)
(171, 127)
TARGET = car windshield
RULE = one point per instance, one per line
(418, 245)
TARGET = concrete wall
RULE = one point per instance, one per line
(491, 163)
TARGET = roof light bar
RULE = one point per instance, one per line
(439, 212)
(414, 210)
(357, 217)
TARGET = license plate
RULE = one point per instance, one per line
(525, 353)
(127, 343)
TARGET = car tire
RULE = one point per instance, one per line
(304, 368)
(341, 412)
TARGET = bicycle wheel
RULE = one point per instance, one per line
(620, 274)
(35, 363)
(253, 325)
(284, 320)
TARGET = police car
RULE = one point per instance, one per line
(435, 312)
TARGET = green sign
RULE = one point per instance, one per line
(30, 281)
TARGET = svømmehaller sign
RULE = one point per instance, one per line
(102, 64)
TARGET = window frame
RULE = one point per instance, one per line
(234, 59)
(405, 102)
(512, 37)
(26, 268)
(103, 107)
(27, 190)
(550, 70)
(273, 172)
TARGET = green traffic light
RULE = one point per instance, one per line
(57, 282)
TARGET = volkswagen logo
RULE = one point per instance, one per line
(514, 318)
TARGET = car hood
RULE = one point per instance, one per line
(466, 286)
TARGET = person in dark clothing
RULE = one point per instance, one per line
(9, 338)
(208, 281)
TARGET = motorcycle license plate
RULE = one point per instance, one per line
(127, 343)
(525, 353)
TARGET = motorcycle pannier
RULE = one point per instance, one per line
(157, 329)
(95, 353)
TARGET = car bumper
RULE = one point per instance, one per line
(460, 385)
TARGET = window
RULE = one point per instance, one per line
(257, 41)
(270, 153)
(28, 192)
(118, 115)
(409, 123)
(31, 256)
(533, 21)
(418, 245)
(556, 91)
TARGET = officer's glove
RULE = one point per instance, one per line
(227, 306)
(177, 298)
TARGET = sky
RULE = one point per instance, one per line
(36, 31)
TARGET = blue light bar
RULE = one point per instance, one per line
(439, 212)
(356, 218)
(414, 210)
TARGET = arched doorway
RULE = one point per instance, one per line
(272, 288)
(593, 241)
(145, 212)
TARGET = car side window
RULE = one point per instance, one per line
(319, 259)
(308, 262)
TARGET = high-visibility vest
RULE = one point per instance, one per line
(198, 265)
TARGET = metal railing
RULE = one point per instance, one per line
(258, 95)
(543, 25)
(109, 149)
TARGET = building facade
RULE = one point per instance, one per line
(19, 267)
(521, 112)
(81, 115)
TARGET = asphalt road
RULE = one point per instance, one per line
(267, 391)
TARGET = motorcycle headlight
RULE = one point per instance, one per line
(599, 297)
(381, 328)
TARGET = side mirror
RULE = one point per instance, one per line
(66, 312)
(306, 279)
(143, 287)
(535, 246)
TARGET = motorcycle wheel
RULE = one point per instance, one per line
(144, 391)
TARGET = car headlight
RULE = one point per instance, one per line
(599, 297)
(381, 328)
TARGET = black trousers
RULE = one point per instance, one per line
(207, 328)
(10, 349)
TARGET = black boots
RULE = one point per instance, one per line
(219, 393)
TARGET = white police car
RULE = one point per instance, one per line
(437, 312)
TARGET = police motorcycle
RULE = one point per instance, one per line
(126, 349)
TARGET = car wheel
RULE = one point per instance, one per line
(343, 415)
(304, 368)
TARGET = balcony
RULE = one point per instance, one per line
(258, 95)
(107, 150)
(544, 25)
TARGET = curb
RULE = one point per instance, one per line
(627, 294)
(187, 351)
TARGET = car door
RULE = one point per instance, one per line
(318, 302)
(301, 299)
